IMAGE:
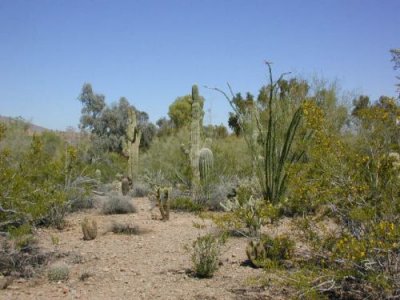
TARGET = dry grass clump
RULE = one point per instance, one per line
(118, 205)
(20, 261)
(58, 272)
(129, 229)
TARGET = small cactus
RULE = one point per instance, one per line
(89, 230)
(206, 162)
(269, 251)
(163, 203)
(256, 253)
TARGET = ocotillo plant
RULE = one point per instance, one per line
(274, 143)
(195, 127)
(131, 145)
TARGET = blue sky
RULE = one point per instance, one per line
(153, 51)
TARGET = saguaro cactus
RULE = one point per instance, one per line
(195, 128)
(131, 145)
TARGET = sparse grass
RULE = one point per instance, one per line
(58, 272)
(118, 205)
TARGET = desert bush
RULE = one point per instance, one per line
(128, 229)
(167, 157)
(205, 257)
(118, 205)
(21, 259)
(79, 193)
(270, 252)
(89, 230)
(246, 211)
(58, 272)
(140, 189)
(185, 204)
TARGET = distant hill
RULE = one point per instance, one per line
(32, 128)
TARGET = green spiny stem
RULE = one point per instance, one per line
(206, 162)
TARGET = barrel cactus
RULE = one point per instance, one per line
(256, 253)
(89, 230)
(125, 186)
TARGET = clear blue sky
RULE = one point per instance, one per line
(153, 51)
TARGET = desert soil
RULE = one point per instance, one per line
(153, 265)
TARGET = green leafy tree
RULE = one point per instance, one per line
(180, 111)
(396, 59)
(109, 123)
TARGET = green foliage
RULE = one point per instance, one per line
(33, 188)
(180, 111)
(118, 205)
(108, 124)
(270, 252)
(247, 211)
(269, 128)
(205, 256)
(169, 156)
(185, 204)
(396, 59)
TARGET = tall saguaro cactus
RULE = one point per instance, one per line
(195, 127)
(131, 145)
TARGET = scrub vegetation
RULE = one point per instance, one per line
(297, 154)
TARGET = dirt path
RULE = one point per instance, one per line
(154, 265)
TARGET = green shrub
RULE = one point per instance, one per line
(140, 189)
(118, 205)
(185, 204)
(269, 252)
(58, 272)
(205, 257)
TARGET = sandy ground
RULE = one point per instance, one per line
(154, 265)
